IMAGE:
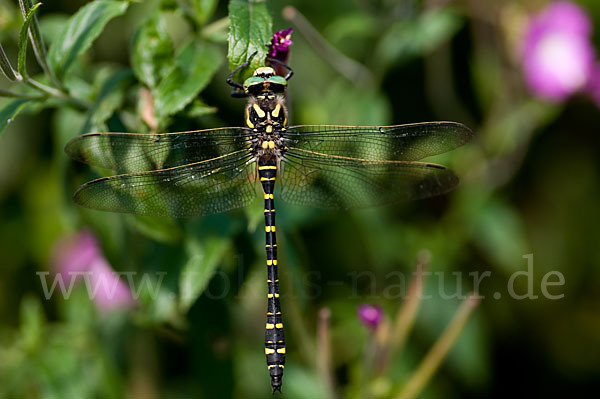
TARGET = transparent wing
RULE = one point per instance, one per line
(326, 182)
(136, 152)
(409, 142)
(196, 189)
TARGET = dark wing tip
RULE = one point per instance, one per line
(466, 132)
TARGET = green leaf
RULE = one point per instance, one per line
(24, 40)
(194, 67)
(6, 67)
(204, 9)
(51, 26)
(152, 54)
(109, 99)
(250, 31)
(82, 29)
(12, 109)
(204, 257)
(199, 108)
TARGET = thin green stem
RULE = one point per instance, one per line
(37, 42)
(349, 68)
(51, 91)
(405, 317)
(324, 367)
(216, 26)
(60, 95)
(8, 93)
(440, 349)
(6, 67)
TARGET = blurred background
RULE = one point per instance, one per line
(524, 75)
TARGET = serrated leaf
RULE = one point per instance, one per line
(204, 257)
(194, 67)
(204, 9)
(24, 40)
(10, 110)
(250, 31)
(82, 29)
(153, 52)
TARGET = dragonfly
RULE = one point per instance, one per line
(202, 172)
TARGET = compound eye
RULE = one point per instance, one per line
(278, 80)
(252, 82)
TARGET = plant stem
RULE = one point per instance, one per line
(8, 93)
(61, 95)
(51, 91)
(7, 68)
(324, 351)
(349, 68)
(405, 317)
(215, 26)
(37, 42)
(440, 349)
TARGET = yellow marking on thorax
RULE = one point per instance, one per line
(248, 121)
(269, 129)
(259, 111)
(276, 110)
(267, 167)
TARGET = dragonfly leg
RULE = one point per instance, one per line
(238, 87)
(286, 66)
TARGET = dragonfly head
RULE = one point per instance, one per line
(264, 79)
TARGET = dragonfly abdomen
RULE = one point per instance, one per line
(274, 337)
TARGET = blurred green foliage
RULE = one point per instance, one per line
(530, 184)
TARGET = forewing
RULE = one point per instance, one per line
(409, 142)
(344, 184)
(136, 152)
(196, 189)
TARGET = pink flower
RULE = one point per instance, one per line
(370, 315)
(280, 45)
(80, 257)
(558, 56)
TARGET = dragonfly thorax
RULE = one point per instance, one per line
(266, 109)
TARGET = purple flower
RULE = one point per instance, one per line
(280, 45)
(558, 56)
(80, 257)
(370, 315)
